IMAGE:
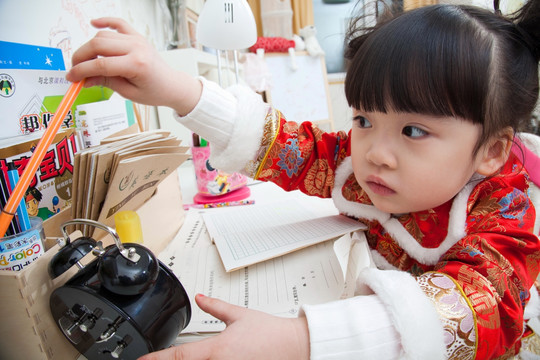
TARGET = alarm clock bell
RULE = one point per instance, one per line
(123, 304)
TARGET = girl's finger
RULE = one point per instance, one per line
(200, 350)
(103, 67)
(219, 309)
(117, 24)
(102, 46)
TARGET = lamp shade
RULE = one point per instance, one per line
(226, 25)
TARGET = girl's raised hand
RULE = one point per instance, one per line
(249, 334)
(124, 61)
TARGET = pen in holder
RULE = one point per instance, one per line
(214, 185)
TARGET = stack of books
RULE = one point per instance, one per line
(121, 174)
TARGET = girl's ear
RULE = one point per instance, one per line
(495, 152)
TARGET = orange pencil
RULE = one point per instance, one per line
(39, 153)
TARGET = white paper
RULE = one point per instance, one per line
(247, 235)
(278, 286)
(192, 234)
(101, 119)
(354, 254)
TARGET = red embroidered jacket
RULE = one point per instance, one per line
(484, 264)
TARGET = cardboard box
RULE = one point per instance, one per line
(28, 329)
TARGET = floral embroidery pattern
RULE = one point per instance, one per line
(290, 157)
(353, 192)
(319, 179)
(510, 209)
(482, 295)
(530, 345)
(456, 315)
(470, 251)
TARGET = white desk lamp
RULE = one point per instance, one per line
(226, 25)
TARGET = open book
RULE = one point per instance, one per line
(247, 235)
(316, 274)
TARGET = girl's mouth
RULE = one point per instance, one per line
(378, 186)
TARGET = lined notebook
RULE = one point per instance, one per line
(247, 235)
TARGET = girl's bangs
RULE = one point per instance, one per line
(411, 65)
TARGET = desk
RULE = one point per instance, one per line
(307, 275)
(261, 192)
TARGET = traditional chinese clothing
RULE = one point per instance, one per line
(452, 282)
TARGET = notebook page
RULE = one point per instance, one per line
(247, 235)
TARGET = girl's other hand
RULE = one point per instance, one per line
(249, 334)
(124, 61)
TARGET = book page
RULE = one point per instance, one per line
(278, 286)
(246, 235)
(192, 234)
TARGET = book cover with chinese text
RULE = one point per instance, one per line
(50, 189)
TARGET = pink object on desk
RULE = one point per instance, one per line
(219, 205)
(214, 185)
(236, 195)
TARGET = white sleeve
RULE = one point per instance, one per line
(231, 120)
(398, 322)
(355, 328)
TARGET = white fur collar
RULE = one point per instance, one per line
(427, 256)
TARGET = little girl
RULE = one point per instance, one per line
(438, 94)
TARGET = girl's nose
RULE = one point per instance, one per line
(380, 153)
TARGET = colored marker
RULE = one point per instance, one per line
(22, 213)
(196, 142)
(12, 228)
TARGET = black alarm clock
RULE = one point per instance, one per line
(123, 304)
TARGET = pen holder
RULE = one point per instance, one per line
(20, 250)
(213, 182)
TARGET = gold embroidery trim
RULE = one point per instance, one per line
(460, 345)
(530, 344)
(466, 298)
(270, 133)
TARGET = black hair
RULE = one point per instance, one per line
(447, 60)
(35, 193)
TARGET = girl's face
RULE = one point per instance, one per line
(410, 162)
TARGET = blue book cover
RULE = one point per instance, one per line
(30, 57)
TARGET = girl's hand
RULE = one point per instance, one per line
(249, 334)
(125, 62)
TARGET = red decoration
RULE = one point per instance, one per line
(273, 44)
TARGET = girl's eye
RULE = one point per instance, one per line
(362, 122)
(413, 131)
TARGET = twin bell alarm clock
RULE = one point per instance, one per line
(123, 304)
